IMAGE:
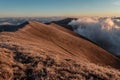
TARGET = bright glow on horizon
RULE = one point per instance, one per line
(40, 8)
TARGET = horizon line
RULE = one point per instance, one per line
(50, 16)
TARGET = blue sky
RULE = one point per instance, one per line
(19, 8)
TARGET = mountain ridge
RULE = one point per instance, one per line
(40, 51)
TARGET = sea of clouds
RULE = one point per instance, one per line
(103, 31)
(20, 20)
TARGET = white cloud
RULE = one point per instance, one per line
(104, 31)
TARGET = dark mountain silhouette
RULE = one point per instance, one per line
(11, 28)
(64, 23)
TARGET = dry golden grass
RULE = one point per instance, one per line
(42, 52)
(21, 64)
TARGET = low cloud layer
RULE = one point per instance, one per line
(103, 31)
(17, 21)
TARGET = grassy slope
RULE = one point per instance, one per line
(40, 51)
